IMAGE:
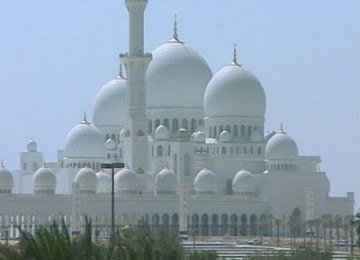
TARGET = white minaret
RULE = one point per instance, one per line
(136, 62)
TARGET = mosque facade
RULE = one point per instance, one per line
(195, 154)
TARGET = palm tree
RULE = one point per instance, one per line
(324, 223)
(277, 223)
(317, 224)
(357, 226)
(310, 223)
(331, 226)
(346, 226)
(337, 224)
(270, 218)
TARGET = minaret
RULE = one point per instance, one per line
(136, 63)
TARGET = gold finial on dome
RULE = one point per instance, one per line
(175, 37)
(44, 164)
(282, 128)
(235, 62)
(84, 119)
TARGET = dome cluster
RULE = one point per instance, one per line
(243, 184)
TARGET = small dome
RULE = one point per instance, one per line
(281, 147)
(104, 182)
(176, 71)
(87, 180)
(199, 137)
(84, 141)
(225, 136)
(110, 145)
(205, 182)
(31, 146)
(243, 181)
(234, 92)
(162, 133)
(6, 179)
(110, 103)
(126, 180)
(44, 180)
(166, 182)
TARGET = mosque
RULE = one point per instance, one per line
(194, 153)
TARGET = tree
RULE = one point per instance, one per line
(357, 226)
(317, 224)
(346, 227)
(337, 224)
(277, 223)
(310, 223)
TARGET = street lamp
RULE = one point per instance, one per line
(194, 232)
(112, 166)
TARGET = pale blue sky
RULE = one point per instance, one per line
(55, 56)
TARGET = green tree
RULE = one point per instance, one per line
(317, 224)
(357, 226)
(277, 223)
(337, 224)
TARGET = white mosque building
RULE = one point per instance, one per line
(195, 153)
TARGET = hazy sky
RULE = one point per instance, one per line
(55, 56)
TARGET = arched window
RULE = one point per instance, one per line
(159, 151)
(201, 122)
(245, 150)
(157, 123)
(228, 190)
(150, 127)
(223, 150)
(204, 225)
(259, 150)
(249, 130)
(235, 130)
(214, 225)
(253, 225)
(242, 130)
(175, 125)
(193, 125)
(166, 123)
(243, 225)
(228, 128)
(187, 164)
(35, 166)
(184, 124)
(221, 128)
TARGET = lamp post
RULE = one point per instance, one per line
(194, 232)
(112, 166)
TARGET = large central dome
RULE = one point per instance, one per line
(234, 92)
(176, 73)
